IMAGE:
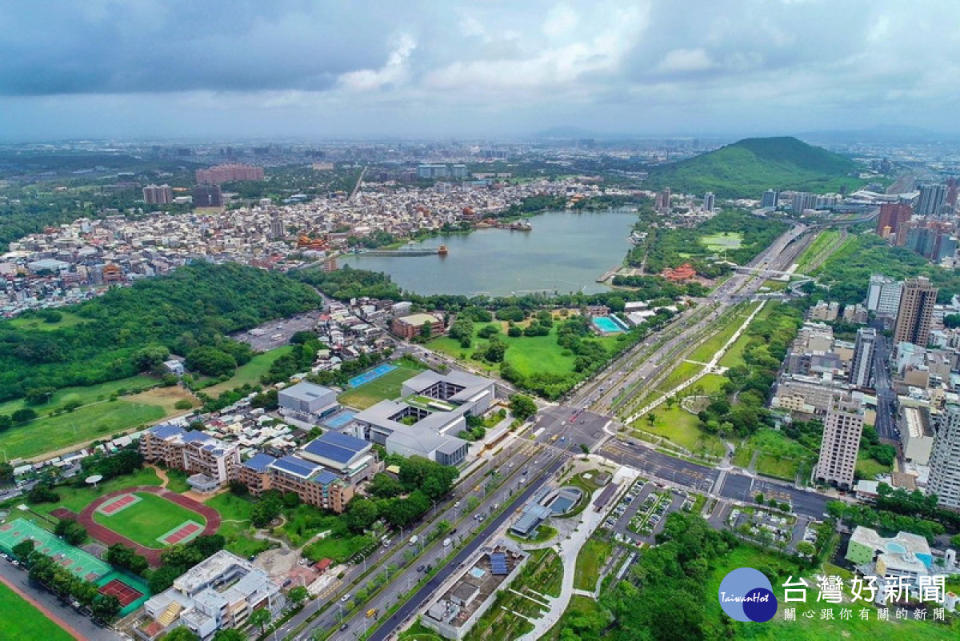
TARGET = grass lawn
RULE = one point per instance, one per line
(813, 629)
(165, 397)
(84, 395)
(249, 372)
(23, 622)
(780, 456)
(97, 421)
(177, 481)
(336, 548)
(386, 387)
(734, 355)
(28, 322)
(590, 561)
(870, 467)
(235, 524)
(528, 354)
(728, 325)
(820, 244)
(681, 427)
(149, 518)
(722, 240)
(77, 498)
(544, 533)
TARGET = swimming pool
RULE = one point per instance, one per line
(607, 324)
(371, 375)
(339, 419)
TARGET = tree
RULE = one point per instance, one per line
(758, 498)
(148, 359)
(211, 361)
(121, 556)
(806, 548)
(163, 577)
(229, 634)
(42, 493)
(71, 531)
(426, 330)
(651, 419)
(522, 407)
(181, 633)
(298, 594)
(23, 416)
(105, 607)
(260, 617)
(360, 514)
(951, 321)
(23, 549)
(38, 395)
(6, 473)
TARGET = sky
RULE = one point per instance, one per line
(145, 69)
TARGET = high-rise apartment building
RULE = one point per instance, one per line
(277, 229)
(916, 312)
(864, 351)
(663, 200)
(945, 458)
(842, 427)
(803, 200)
(709, 201)
(769, 199)
(207, 196)
(228, 173)
(932, 198)
(157, 194)
(883, 295)
(892, 216)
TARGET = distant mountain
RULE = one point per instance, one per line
(750, 166)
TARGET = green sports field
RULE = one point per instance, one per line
(23, 622)
(385, 387)
(148, 519)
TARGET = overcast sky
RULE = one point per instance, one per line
(237, 68)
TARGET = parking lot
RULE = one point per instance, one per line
(278, 332)
(642, 511)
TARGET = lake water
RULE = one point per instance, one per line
(565, 252)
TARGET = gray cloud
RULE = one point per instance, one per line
(422, 67)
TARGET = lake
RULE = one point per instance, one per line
(565, 252)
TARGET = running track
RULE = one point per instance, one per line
(109, 537)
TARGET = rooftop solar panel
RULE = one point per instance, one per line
(498, 563)
(295, 465)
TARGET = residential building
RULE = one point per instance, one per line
(944, 478)
(228, 173)
(454, 612)
(861, 368)
(157, 194)
(917, 434)
(307, 402)
(842, 427)
(218, 593)
(931, 200)
(916, 311)
(408, 327)
(769, 199)
(709, 201)
(808, 396)
(314, 484)
(351, 458)
(883, 296)
(802, 201)
(892, 216)
(207, 196)
(662, 202)
(213, 462)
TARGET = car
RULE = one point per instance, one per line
(420, 568)
(345, 598)
(344, 627)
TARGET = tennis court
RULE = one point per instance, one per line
(124, 593)
(181, 534)
(371, 375)
(85, 566)
(130, 590)
(117, 504)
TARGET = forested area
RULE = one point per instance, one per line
(664, 247)
(847, 272)
(132, 329)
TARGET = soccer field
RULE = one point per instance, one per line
(379, 389)
(148, 519)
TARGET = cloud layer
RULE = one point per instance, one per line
(288, 67)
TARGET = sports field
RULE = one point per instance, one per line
(384, 387)
(85, 566)
(149, 521)
(23, 622)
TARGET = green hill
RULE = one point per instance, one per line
(750, 166)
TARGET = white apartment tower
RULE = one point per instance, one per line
(842, 427)
(861, 367)
(945, 459)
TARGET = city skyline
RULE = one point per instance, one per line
(473, 69)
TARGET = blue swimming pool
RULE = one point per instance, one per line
(607, 324)
(371, 375)
(338, 420)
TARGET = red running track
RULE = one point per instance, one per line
(109, 537)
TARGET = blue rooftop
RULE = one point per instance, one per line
(259, 462)
(336, 447)
(196, 437)
(295, 465)
(165, 430)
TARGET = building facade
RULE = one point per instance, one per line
(861, 367)
(945, 458)
(195, 452)
(842, 427)
(408, 327)
(916, 312)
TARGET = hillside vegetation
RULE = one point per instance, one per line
(130, 329)
(750, 166)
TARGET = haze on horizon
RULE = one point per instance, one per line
(174, 68)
